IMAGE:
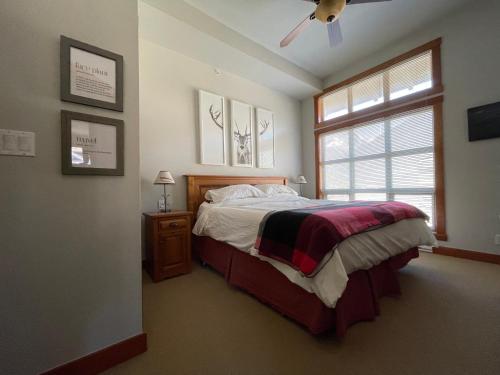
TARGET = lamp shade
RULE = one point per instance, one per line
(164, 178)
(301, 180)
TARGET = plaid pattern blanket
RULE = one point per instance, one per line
(302, 237)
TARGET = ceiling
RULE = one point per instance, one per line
(367, 28)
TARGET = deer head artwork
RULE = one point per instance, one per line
(243, 145)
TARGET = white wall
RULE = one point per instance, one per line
(169, 121)
(181, 27)
(70, 276)
(471, 61)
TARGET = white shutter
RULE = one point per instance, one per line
(369, 174)
(335, 105)
(338, 197)
(412, 131)
(370, 196)
(368, 92)
(369, 139)
(337, 176)
(424, 202)
(388, 159)
(335, 145)
(406, 78)
(411, 76)
(413, 171)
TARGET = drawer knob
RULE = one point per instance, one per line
(174, 225)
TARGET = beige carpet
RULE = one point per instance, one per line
(446, 322)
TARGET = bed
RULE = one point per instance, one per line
(351, 300)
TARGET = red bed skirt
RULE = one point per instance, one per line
(359, 301)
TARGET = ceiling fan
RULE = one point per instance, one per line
(328, 12)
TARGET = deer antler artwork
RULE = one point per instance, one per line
(216, 116)
(264, 125)
(265, 138)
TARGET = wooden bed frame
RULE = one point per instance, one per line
(197, 186)
(359, 302)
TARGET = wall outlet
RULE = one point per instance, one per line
(497, 239)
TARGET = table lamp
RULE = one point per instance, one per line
(164, 178)
(301, 180)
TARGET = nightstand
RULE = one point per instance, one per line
(168, 244)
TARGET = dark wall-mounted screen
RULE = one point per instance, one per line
(484, 122)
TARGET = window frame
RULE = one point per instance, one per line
(431, 97)
(437, 86)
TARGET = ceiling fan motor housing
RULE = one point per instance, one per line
(329, 10)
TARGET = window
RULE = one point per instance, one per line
(367, 93)
(389, 159)
(398, 80)
(379, 135)
(411, 76)
(335, 104)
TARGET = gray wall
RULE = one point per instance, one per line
(70, 277)
(471, 61)
(169, 120)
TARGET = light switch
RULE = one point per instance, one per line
(17, 143)
(10, 142)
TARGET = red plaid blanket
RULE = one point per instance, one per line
(302, 237)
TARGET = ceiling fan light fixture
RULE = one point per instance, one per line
(329, 10)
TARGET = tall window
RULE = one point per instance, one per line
(386, 159)
(378, 135)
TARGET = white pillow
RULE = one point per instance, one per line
(233, 192)
(274, 189)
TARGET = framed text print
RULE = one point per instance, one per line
(91, 75)
(91, 145)
(241, 134)
(264, 120)
(212, 118)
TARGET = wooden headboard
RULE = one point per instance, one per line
(197, 186)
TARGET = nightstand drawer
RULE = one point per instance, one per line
(172, 224)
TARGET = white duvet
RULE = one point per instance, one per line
(236, 222)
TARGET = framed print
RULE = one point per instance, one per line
(91, 75)
(241, 134)
(212, 120)
(264, 120)
(91, 145)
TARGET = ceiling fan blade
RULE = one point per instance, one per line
(352, 2)
(334, 33)
(295, 32)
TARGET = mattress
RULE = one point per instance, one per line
(236, 222)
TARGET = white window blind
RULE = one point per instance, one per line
(368, 92)
(388, 159)
(411, 76)
(406, 78)
(335, 105)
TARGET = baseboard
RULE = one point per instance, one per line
(467, 254)
(104, 359)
